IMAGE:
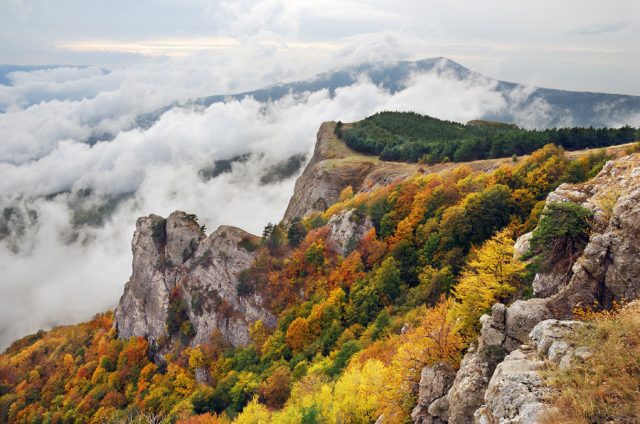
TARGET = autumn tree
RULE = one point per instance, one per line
(387, 280)
(298, 334)
(492, 274)
(371, 249)
(434, 339)
(275, 390)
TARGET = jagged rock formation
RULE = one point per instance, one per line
(435, 382)
(174, 261)
(333, 167)
(497, 372)
(517, 392)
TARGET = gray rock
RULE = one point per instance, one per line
(175, 254)
(550, 336)
(522, 244)
(522, 316)
(346, 229)
(321, 182)
(498, 315)
(467, 392)
(546, 284)
(333, 167)
(582, 353)
(607, 269)
(435, 382)
(182, 237)
(515, 393)
(439, 410)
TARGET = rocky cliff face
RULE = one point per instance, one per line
(517, 392)
(182, 275)
(498, 379)
(333, 167)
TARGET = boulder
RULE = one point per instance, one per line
(517, 392)
(467, 392)
(522, 244)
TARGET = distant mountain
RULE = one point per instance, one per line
(560, 107)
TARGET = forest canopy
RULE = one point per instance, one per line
(411, 137)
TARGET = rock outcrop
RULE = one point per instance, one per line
(346, 229)
(517, 392)
(333, 167)
(432, 406)
(497, 372)
(175, 262)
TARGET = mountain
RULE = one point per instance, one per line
(558, 107)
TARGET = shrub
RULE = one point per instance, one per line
(177, 312)
(563, 232)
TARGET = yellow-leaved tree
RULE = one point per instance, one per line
(492, 274)
(433, 340)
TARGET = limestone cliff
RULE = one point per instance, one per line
(335, 166)
(497, 380)
(175, 262)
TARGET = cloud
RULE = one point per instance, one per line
(601, 28)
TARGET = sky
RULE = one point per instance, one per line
(142, 55)
(585, 45)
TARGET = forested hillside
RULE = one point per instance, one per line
(411, 137)
(357, 322)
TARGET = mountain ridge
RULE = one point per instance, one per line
(582, 108)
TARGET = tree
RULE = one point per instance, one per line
(275, 390)
(266, 233)
(387, 280)
(196, 358)
(298, 334)
(357, 394)
(562, 232)
(491, 274)
(254, 413)
(349, 271)
(296, 232)
(371, 249)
